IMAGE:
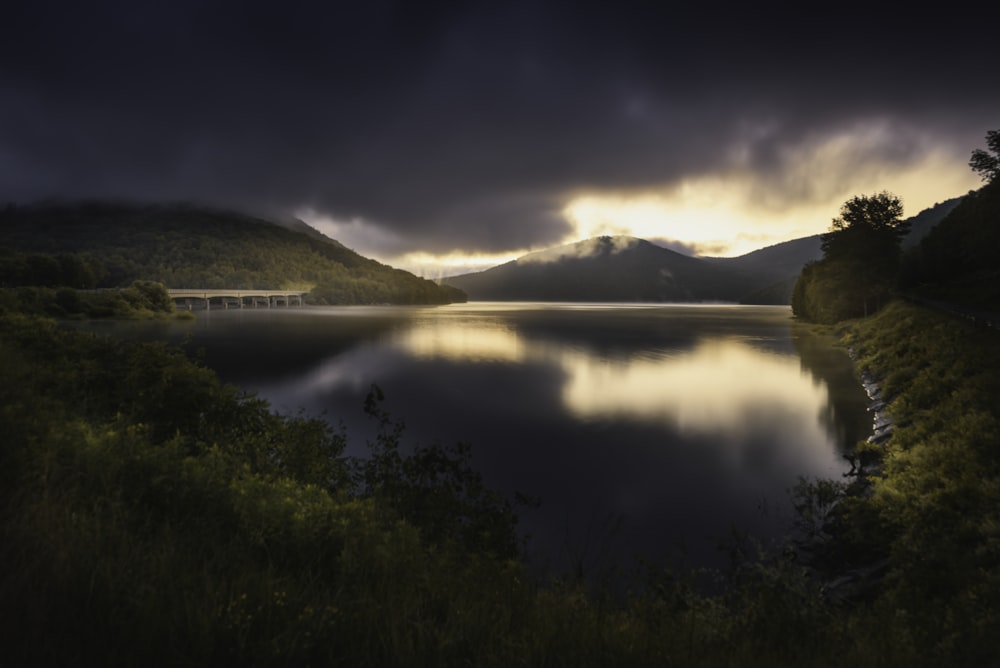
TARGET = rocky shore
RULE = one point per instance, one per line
(853, 583)
(882, 425)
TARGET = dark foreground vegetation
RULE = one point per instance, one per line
(151, 515)
(141, 299)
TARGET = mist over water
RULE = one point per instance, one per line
(646, 430)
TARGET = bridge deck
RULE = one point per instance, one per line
(197, 293)
(271, 297)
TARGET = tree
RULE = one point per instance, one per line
(987, 164)
(864, 221)
(861, 255)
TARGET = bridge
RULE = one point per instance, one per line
(187, 298)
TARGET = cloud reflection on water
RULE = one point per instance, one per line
(723, 388)
(680, 421)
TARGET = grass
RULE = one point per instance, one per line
(152, 516)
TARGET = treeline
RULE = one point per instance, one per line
(141, 299)
(100, 244)
(861, 255)
(915, 535)
(863, 265)
(957, 260)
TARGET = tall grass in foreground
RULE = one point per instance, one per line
(151, 516)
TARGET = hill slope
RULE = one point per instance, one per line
(605, 269)
(955, 260)
(100, 244)
(922, 223)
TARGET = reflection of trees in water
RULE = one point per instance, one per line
(603, 335)
(241, 347)
(626, 331)
(845, 416)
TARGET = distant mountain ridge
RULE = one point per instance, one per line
(607, 269)
(622, 268)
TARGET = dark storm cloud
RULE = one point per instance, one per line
(458, 125)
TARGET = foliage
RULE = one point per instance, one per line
(105, 244)
(956, 261)
(436, 489)
(937, 501)
(142, 299)
(151, 515)
(987, 163)
(860, 260)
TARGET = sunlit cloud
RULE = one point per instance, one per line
(377, 242)
(709, 215)
(741, 209)
(767, 190)
(434, 266)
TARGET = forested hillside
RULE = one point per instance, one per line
(957, 260)
(100, 244)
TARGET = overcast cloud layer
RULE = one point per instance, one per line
(468, 127)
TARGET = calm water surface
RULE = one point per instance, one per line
(647, 430)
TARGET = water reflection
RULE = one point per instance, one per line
(720, 388)
(668, 424)
(466, 341)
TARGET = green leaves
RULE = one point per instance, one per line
(435, 488)
(151, 514)
(860, 261)
(987, 164)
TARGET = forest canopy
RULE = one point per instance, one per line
(104, 244)
(861, 254)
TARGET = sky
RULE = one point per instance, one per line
(444, 137)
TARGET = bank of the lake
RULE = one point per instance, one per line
(921, 523)
(152, 515)
(651, 431)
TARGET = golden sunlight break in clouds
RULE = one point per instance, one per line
(725, 213)
(738, 212)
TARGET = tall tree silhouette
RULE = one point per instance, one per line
(861, 255)
(987, 163)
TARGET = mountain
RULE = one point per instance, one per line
(629, 269)
(110, 244)
(607, 269)
(774, 269)
(774, 262)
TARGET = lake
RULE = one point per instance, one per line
(646, 430)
